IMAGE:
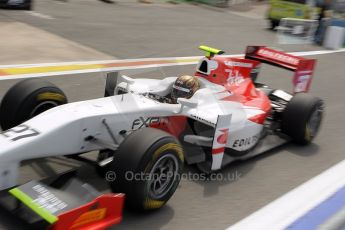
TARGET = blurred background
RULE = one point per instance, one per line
(56, 29)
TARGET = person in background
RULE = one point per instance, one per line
(325, 12)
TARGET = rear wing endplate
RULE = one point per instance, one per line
(303, 68)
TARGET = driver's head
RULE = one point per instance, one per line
(185, 86)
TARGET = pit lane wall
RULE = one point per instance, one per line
(22, 71)
(316, 204)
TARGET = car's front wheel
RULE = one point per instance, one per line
(147, 167)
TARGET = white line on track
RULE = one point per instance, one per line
(97, 70)
(303, 53)
(317, 52)
(181, 61)
(280, 213)
(40, 15)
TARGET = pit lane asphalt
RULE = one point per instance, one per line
(200, 204)
(252, 183)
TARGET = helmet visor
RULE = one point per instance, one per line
(179, 91)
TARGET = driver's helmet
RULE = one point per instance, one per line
(184, 86)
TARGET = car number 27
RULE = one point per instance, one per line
(20, 132)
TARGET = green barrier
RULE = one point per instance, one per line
(291, 9)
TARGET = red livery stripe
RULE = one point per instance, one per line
(217, 151)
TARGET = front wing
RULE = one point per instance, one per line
(63, 204)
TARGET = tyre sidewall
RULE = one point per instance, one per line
(19, 102)
(158, 150)
(296, 117)
(137, 163)
(40, 96)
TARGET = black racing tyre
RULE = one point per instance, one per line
(27, 99)
(148, 167)
(302, 118)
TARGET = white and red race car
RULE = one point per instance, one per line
(231, 117)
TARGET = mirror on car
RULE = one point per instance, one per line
(187, 102)
(128, 80)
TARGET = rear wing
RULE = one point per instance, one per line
(303, 68)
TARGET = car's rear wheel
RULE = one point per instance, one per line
(302, 118)
(148, 167)
(27, 99)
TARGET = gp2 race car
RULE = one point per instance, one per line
(137, 130)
